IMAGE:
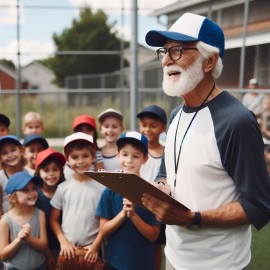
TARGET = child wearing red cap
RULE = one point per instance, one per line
(49, 166)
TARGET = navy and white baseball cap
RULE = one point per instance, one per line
(135, 137)
(19, 180)
(189, 28)
(155, 111)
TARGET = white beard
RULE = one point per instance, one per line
(187, 80)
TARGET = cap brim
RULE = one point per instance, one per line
(159, 38)
(131, 139)
(148, 113)
(112, 114)
(43, 142)
(79, 139)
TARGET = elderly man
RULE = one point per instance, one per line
(213, 155)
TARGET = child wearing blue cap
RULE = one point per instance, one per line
(12, 161)
(130, 230)
(23, 237)
(33, 144)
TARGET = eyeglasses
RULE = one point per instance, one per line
(175, 52)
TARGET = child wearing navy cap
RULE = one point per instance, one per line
(152, 123)
(130, 230)
(12, 160)
(33, 144)
(23, 238)
(4, 125)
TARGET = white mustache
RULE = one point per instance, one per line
(168, 69)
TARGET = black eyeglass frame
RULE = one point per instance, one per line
(161, 52)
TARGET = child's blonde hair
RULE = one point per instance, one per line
(32, 116)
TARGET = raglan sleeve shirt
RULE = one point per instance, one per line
(240, 145)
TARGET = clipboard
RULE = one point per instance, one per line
(130, 186)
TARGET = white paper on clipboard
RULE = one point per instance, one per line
(130, 186)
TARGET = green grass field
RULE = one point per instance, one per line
(261, 249)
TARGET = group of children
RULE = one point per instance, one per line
(52, 213)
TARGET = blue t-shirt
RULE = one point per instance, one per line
(126, 248)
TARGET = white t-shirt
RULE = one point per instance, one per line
(111, 163)
(208, 178)
(150, 169)
(78, 202)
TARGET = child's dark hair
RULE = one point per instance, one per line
(79, 144)
(134, 144)
(48, 161)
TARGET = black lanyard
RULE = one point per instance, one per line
(176, 161)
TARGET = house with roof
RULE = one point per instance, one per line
(8, 78)
(40, 78)
(245, 25)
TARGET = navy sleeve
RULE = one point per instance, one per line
(241, 149)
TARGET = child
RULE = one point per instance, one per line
(33, 144)
(49, 166)
(152, 123)
(111, 126)
(130, 231)
(77, 200)
(86, 124)
(32, 124)
(23, 238)
(4, 125)
(12, 161)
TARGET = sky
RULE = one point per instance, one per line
(40, 19)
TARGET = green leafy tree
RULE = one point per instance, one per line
(90, 32)
(7, 63)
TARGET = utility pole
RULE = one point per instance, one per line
(18, 80)
(134, 67)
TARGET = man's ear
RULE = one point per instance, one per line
(210, 62)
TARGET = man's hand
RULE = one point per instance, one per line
(166, 212)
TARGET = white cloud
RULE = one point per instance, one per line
(33, 48)
(30, 49)
(8, 14)
(115, 6)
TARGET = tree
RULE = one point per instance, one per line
(90, 32)
(7, 63)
